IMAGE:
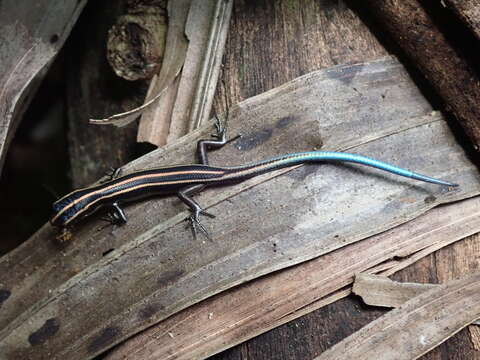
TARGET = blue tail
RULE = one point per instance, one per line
(330, 156)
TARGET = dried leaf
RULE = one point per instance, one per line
(159, 270)
(258, 306)
(29, 41)
(187, 105)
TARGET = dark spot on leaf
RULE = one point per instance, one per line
(169, 277)
(47, 330)
(148, 311)
(430, 199)
(251, 141)
(105, 338)
(105, 253)
(54, 38)
(284, 122)
(4, 295)
(345, 74)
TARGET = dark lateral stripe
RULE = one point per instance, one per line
(126, 181)
(133, 189)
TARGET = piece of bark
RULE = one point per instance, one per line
(469, 12)
(206, 28)
(260, 305)
(333, 35)
(136, 43)
(191, 271)
(29, 41)
(378, 290)
(475, 335)
(417, 326)
(449, 74)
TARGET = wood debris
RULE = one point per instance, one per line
(420, 324)
(381, 291)
(173, 60)
(450, 74)
(136, 42)
(467, 11)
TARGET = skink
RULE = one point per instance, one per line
(186, 180)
